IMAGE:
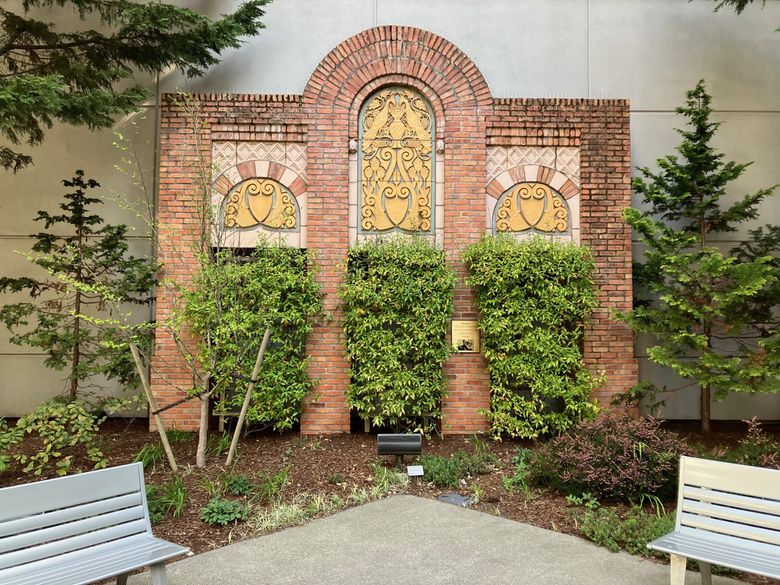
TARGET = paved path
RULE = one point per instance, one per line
(405, 540)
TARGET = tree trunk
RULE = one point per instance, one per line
(76, 357)
(203, 430)
(704, 408)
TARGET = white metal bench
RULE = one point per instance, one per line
(80, 529)
(727, 515)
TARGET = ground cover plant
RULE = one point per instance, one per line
(534, 298)
(53, 437)
(398, 298)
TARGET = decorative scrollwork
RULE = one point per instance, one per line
(532, 206)
(396, 170)
(260, 202)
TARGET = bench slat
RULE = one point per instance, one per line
(736, 515)
(94, 563)
(74, 543)
(730, 477)
(38, 538)
(730, 528)
(39, 521)
(63, 492)
(733, 500)
(735, 553)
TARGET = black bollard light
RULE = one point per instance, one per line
(399, 444)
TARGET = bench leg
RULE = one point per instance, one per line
(121, 580)
(706, 573)
(158, 574)
(678, 569)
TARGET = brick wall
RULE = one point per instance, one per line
(469, 120)
(601, 129)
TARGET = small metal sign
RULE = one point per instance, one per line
(414, 470)
(465, 336)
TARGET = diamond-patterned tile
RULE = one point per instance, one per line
(223, 155)
(496, 161)
(568, 162)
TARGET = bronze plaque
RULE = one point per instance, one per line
(465, 336)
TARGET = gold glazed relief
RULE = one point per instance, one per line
(396, 169)
(260, 202)
(532, 206)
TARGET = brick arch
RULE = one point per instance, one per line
(397, 50)
(260, 169)
(397, 79)
(462, 103)
(532, 173)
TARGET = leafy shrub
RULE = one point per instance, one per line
(150, 455)
(232, 302)
(630, 532)
(398, 298)
(757, 448)
(534, 298)
(223, 512)
(237, 484)
(612, 457)
(66, 430)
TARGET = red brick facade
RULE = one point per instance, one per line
(469, 121)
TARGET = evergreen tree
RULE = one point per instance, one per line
(738, 5)
(89, 270)
(700, 294)
(74, 77)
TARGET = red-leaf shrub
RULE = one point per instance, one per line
(612, 457)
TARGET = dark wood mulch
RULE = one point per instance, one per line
(334, 464)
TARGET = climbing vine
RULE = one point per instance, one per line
(398, 298)
(233, 299)
(534, 298)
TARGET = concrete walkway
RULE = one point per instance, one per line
(405, 540)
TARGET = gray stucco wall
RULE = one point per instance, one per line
(650, 51)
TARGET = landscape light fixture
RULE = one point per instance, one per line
(399, 444)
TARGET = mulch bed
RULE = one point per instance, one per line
(316, 463)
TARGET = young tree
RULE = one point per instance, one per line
(88, 269)
(738, 5)
(700, 293)
(74, 77)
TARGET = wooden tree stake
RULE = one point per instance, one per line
(248, 397)
(153, 406)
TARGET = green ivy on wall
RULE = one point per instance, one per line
(398, 299)
(534, 297)
(229, 307)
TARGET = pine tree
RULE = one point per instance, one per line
(90, 271)
(74, 77)
(738, 5)
(700, 294)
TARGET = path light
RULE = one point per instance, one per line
(399, 444)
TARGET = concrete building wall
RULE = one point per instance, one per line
(649, 51)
